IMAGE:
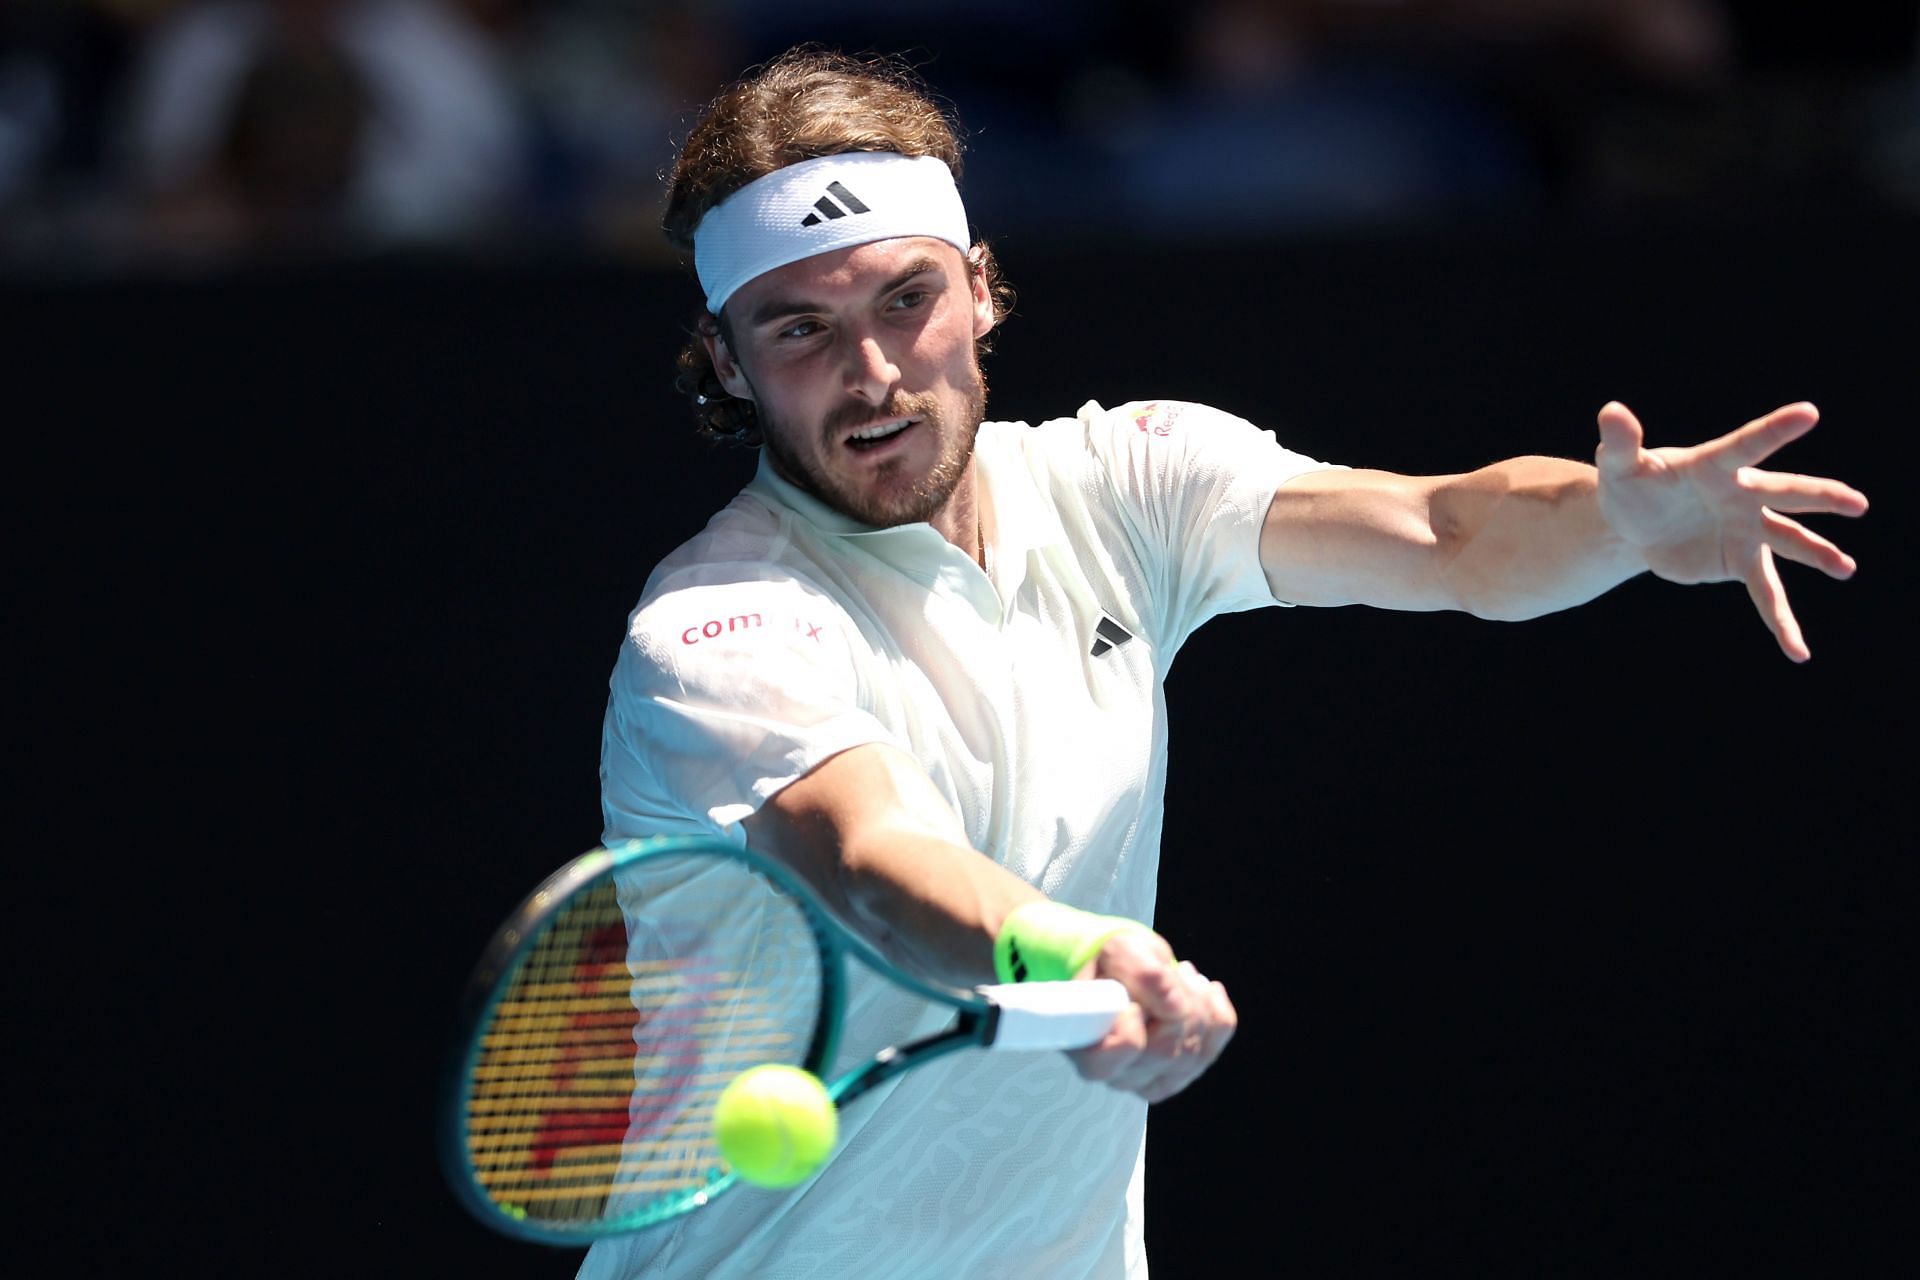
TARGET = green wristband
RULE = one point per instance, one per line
(1051, 942)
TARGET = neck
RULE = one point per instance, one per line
(958, 521)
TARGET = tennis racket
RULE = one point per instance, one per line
(610, 1010)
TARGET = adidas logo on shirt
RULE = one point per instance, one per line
(1109, 635)
(849, 204)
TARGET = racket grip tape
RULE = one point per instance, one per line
(1047, 941)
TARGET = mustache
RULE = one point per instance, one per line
(900, 404)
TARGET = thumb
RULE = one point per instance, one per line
(1143, 962)
(1621, 437)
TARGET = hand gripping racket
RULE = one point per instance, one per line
(611, 1009)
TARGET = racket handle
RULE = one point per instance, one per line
(1054, 1015)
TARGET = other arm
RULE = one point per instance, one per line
(1533, 535)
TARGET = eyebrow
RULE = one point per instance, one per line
(777, 308)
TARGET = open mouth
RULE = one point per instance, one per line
(880, 433)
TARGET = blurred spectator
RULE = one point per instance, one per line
(29, 123)
(1127, 117)
(61, 64)
(1325, 113)
(1894, 150)
(263, 122)
(1043, 90)
(212, 126)
(610, 86)
(1793, 129)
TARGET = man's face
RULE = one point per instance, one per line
(862, 368)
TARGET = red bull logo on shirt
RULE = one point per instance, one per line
(1154, 418)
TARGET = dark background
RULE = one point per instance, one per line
(1567, 947)
(1571, 947)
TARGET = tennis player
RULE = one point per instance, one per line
(920, 658)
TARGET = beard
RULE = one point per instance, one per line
(893, 497)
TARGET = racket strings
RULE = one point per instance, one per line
(592, 1095)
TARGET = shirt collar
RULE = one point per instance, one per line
(1017, 522)
(915, 550)
(770, 484)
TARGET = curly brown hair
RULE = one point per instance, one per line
(807, 103)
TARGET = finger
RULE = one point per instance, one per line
(1196, 982)
(1621, 438)
(1161, 1090)
(1199, 1018)
(1157, 1057)
(1222, 1023)
(1802, 545)
(1199, 1050)
(1129, 1034)
(1760, 438)
(1174, 1057)
(1785, 491)
(1770, 598)
(1162, 993)
(1111, 1059)
(1177, 1076)
(1224, 1020)
(1169, 1039)
(1171, 1076)
(1143, 962)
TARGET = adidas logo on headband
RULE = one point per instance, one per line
(826, 205)
(809, 208)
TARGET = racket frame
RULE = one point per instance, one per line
(511, 943)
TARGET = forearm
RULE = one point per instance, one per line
(929, 905)
(872, 836)
(871, 832)
(1525, 537)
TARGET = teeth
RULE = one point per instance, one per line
(881, 431)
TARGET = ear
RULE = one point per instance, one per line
(983, 318)
(725, 367)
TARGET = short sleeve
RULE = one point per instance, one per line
(723, 694)
(1193, 484)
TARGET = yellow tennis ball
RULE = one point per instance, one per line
(775, 1125)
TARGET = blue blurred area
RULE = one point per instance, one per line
(203, 131)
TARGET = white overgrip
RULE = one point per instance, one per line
(1054, 1015)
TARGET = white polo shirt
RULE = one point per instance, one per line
(1031, 693)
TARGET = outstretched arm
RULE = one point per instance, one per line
(870, 833)
(1533, 535)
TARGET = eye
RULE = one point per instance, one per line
(800, 329)
(909, 300)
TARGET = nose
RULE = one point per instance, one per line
(871, 374)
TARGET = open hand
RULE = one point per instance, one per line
(1708, 513)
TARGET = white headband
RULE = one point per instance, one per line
(821, 205)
